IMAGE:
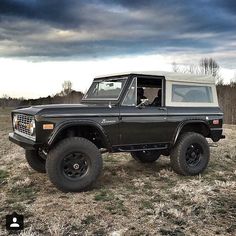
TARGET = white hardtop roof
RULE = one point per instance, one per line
(169, 76)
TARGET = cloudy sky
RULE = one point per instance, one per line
(44, 42)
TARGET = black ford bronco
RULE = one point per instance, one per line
(147, 114)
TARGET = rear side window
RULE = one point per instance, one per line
(191, 93)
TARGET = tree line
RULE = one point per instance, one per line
(66, 95)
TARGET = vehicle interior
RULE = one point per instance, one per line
(151, 89)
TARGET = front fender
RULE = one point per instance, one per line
(66, 124)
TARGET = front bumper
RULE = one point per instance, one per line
(23, 142)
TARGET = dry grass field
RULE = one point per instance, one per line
(129, 199)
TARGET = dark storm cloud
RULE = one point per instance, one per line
(200, 16)
(51, 12)
(229, 5)
(84, 29)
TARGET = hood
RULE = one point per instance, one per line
(55, 109)
(58, 106)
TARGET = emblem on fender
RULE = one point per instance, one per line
(104, 121)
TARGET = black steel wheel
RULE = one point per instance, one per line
(193, 154)
(190, 155)
(74, 164)
(146, 156)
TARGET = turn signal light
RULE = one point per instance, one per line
(48, 126)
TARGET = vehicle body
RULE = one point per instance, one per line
(113, 117)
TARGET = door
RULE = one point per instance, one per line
(145, 124)
(142, 125)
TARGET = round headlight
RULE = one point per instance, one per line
(15, 121)
(32, 128)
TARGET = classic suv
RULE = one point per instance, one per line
(145, 113)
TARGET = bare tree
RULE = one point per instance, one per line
(219, 80)
(66, 87)
(186, 69)
(233, 81)
(209, 66)
(194, 69)
(5, 96)
(175, 67)
(4, 100)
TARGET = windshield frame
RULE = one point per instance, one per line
(107, 79)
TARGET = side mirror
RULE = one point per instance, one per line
(144, 102)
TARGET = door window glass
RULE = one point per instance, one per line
(130, 98)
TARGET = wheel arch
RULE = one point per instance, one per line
(198, 126)
(78, 128)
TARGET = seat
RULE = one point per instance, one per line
(157, 100)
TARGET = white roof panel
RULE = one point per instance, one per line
(171, 76)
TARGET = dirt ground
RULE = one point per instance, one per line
(129, 199)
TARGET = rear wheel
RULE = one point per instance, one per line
(35, 161)
(74, 164)
(191, 154)
(146, 156)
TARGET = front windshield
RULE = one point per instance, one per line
(107, 89)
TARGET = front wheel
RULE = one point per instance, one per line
(191, 154)
(74, 164)
(146, 156)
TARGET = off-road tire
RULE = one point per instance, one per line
(70, 147)
(35, 161)
(185, 160)
(146, 156)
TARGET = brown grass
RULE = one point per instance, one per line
(129, 199)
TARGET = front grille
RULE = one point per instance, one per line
(23, 125)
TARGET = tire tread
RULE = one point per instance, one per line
(176, 158)
(52, 159)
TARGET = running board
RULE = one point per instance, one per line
(137, 148)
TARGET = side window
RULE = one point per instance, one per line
(151, 89)
(131, 96)
(191, 93)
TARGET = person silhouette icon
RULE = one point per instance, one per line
(14, 224)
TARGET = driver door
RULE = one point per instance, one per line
(141, 125)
